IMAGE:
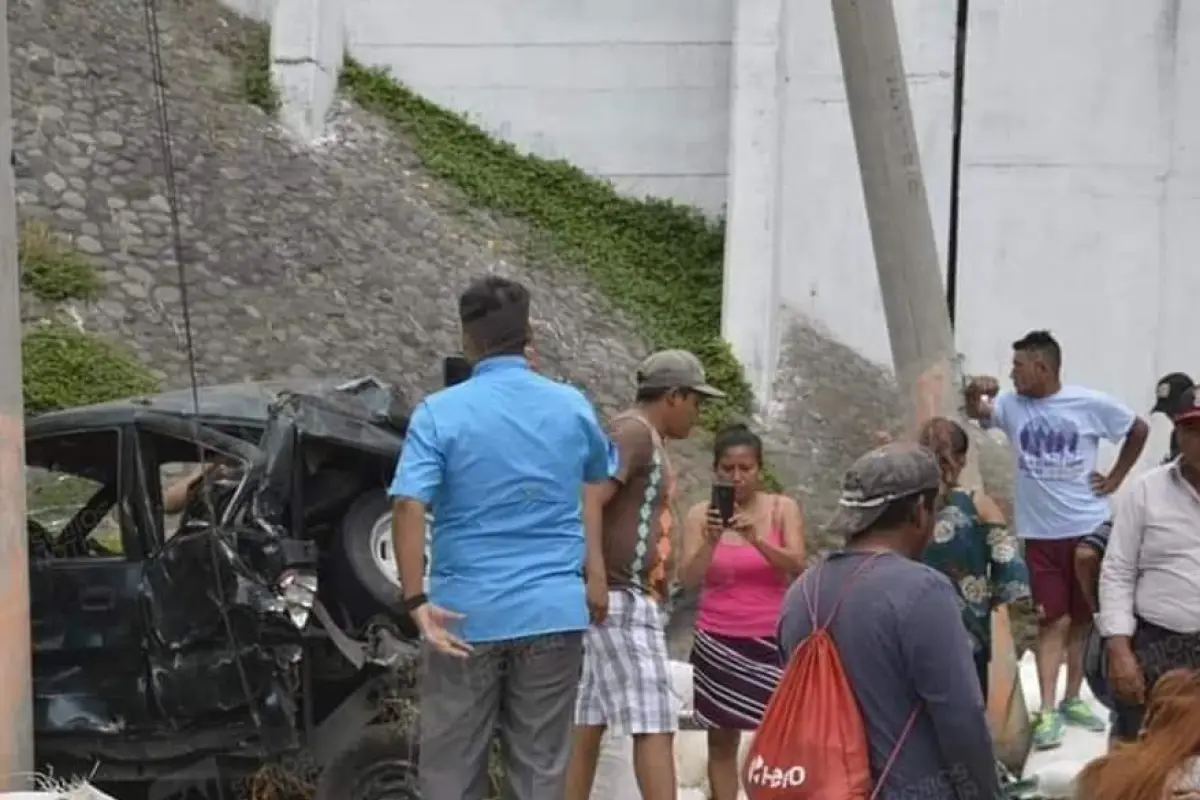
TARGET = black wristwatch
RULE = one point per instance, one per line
(411, 604)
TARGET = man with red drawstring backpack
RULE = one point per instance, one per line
(881, 697)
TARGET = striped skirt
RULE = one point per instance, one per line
(733, 678)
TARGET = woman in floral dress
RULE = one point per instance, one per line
(971, 543)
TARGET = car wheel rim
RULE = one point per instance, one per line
(385, 555)
(387, 780)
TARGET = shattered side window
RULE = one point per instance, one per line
(71, 494)
(195, 488)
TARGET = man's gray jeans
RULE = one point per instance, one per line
(525, 689)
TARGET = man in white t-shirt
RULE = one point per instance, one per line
(1059, 497)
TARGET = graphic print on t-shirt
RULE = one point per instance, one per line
(1049, 449)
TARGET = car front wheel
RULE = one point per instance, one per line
(378, 764)
(364, 549)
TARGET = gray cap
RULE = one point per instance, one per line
(675, 369)
(888, 473)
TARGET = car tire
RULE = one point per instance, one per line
(378, 764)
(353, 547)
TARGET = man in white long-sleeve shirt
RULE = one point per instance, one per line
(1150, 577)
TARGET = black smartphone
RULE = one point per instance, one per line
(722, 500)
(455, 370)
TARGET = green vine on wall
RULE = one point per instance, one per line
(658, 261)
(62, 366)
(251, 57)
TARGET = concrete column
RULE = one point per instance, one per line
(16, 690)
(751, 306)
(307, 44)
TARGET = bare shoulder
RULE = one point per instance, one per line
(629, 430)
(788, 504)
(698, 511)
(989, 509)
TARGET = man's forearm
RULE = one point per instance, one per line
(408, 541)
(593, 529)
(1116, 601)
(1131, 451)
(949, 686)
(966, 748)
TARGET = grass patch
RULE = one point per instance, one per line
(61, 365)
(64, 367)
(251, 57)
(656, 260)
(50, 270)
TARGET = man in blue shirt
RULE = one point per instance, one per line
(501, 460)
(1059, 497)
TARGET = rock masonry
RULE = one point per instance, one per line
(340, 257)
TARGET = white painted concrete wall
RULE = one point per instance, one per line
(1079, 194)
(828, 266)
(635, 91)
(799, 243)
(307, 49)
(1081, 184)
(754, 275)
(1081, 189)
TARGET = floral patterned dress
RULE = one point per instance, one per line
(983, 562)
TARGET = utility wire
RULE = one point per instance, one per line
(158, 78)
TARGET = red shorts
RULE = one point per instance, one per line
(1056, 592)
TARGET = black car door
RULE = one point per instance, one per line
(85, 567)
(212, 623)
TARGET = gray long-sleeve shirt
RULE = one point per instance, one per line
(900, 635)
(1151, 566)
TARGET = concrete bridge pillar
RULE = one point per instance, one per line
(751, 304)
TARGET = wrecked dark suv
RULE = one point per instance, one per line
(171, 649)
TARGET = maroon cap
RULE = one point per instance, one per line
(1188, 409)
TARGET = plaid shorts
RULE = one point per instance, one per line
(626, 684)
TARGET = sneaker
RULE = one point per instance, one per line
(1078, 713)
(1048, 730)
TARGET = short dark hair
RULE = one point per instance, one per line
(506, 303)
(652, 394)
(1041, 343)
(737, 435)
(903, 509)
(944, 438)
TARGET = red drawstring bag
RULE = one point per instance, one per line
(811, 744)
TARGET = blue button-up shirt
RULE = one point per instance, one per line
(501, 460)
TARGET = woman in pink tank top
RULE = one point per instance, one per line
(743, 572)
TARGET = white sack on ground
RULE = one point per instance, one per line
(80, 791)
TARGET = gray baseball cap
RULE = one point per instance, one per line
(675, 369)
(888, 473)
